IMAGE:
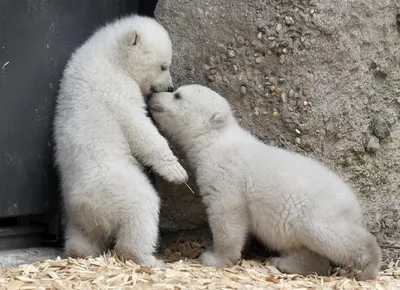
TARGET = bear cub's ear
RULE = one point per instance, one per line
(132, 38)
(219, 118)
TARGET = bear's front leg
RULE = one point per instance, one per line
(229, 225)
(149, 146)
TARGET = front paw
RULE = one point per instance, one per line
(276, 261)
(159, 263)
(174, 173)
(210, 258)
(284, 265)
(152, 261)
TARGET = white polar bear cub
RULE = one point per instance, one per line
(103, 137)
(292, 203)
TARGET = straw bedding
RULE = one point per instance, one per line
(183, 271)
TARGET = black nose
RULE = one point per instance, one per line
(170, 89)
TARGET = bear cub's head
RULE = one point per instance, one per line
(146, 53)
(190, 111)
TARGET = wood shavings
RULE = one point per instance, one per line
(188, 247)
(110, 272)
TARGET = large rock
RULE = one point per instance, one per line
(318, 77)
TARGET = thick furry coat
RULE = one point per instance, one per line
(103, 137)
(292, 203)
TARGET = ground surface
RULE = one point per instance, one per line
(183, 271)
(12, 258)
(109, 271)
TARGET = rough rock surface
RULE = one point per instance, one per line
(321, 77)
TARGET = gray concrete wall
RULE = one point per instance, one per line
(318, 77)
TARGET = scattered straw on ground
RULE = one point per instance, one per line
(109, 272)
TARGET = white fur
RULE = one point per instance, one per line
(292, 203)
(103, 136)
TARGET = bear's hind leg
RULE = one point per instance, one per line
(346, 244)
(302, 262)
(137, 234)
(79, 245)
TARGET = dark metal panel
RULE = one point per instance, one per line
(20, 237)
(147, 7)
(36, 39)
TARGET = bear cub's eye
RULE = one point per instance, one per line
(164, 67)
(177, 96)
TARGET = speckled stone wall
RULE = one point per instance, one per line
(318, 77)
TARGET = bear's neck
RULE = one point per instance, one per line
(196, 146)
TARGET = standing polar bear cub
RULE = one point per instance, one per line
(292, 203)
(103, 137)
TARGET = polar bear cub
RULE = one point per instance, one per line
(292, 203)
(103, 137)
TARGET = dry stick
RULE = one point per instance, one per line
(190, 188)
